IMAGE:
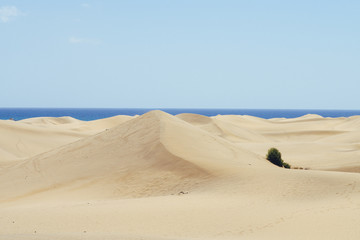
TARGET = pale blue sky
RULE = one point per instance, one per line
(180, 54)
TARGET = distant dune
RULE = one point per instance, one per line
(26, 138)
(159, 176)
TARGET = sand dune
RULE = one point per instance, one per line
(159, 176)
(138, 158)
(310, 141)
(29, 137)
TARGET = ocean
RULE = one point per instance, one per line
(88, 114)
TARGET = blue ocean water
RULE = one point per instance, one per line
(88, 114)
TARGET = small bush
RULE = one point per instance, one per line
(274, 156)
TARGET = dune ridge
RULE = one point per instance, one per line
(159, 176)
(130, 154)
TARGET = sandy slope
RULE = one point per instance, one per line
(22, 139)
(159, 176)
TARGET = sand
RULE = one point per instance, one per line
(26, 138)
(159, 176)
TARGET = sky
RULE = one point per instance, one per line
(180, 54)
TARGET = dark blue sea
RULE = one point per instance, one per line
(88, 114)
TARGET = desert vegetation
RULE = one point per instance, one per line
(274, 156)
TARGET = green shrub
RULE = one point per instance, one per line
(274, 156)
